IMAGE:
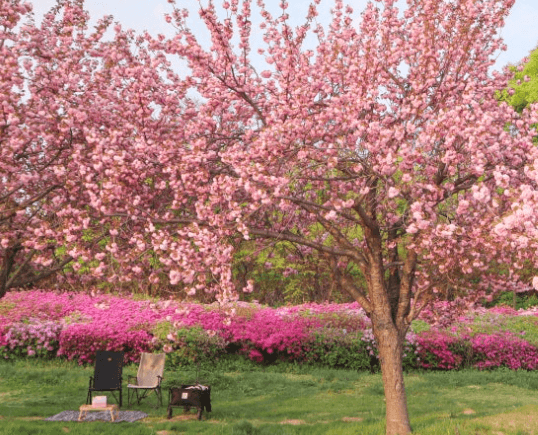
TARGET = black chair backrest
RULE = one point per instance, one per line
(108, 368)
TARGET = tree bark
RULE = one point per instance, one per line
(6, 267)
(390, 346)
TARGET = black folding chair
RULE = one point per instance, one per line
(107, 375)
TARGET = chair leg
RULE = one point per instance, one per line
(159, 396)
(120, 401)
(142, 394)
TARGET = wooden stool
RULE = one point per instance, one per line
(114, 412)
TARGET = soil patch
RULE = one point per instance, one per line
(294, 422)
(350, 419)
(522, 420)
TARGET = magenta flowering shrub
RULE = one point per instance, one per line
(439, 350)
(75, 326)
(268, 335)
(209, 318)
(503, 350)
(32, 338)
(39, 305)
(81, 341)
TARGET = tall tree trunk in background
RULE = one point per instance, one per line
(5, 269)
(514, 300)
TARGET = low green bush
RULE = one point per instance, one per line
(523, 300)
(418, 326)
(187, 345)
(335, 348)
(524, 326)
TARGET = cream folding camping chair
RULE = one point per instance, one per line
(148, 378)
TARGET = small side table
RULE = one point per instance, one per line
(114, 412)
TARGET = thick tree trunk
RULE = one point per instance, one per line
(390, 355)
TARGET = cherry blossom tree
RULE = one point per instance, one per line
(59, 81)
(33, 150)
(382, 148)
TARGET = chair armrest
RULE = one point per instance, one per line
(160, 379)
(91, 382)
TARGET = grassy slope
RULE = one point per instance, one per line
(282, 399)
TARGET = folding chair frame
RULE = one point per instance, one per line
(142, 393)
(148, 378)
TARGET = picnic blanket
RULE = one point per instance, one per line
(128, 416)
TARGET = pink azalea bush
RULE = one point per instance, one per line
(442, 350)
(75, 326)
(32, 338)
(438, 350)
(503, 350)
(81, 341)
(269, 335)
(85, 323)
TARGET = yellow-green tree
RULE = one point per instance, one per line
(523, 89)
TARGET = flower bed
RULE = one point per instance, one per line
(74, 326)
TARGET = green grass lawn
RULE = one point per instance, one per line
(280, 399)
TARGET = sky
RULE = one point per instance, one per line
(520, 33)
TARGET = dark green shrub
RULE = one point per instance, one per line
(335, 348)
(523, 300)
(188, 345)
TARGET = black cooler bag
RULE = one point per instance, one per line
(190, 396)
